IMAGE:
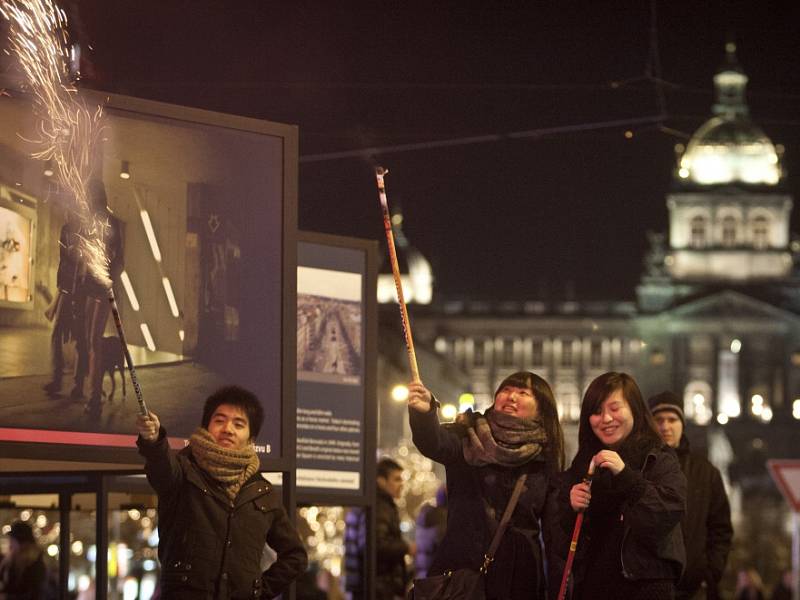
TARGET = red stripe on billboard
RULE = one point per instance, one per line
(76, 438)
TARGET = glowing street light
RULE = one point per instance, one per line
(399, 393)
(449, 411)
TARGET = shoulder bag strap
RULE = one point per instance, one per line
(501, 529)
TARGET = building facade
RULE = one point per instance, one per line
(716, 316)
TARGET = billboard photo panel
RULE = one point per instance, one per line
(195, 233)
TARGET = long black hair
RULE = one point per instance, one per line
(644, 431)
(547, 413)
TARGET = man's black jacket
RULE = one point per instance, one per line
(210, 547)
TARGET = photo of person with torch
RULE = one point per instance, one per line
(630, 545)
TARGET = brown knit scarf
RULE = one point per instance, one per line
(231, 468)
(498, 438)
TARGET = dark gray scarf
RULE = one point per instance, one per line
(498, 438)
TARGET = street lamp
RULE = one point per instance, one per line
(400, 393)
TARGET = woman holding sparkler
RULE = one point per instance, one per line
(518, 439)
(631, 544)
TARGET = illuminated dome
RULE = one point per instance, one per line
(729, 147)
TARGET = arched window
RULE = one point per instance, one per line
(760, 232)
(698, 232)
(729, 231)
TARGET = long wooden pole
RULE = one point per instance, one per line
(380, 172)
(573, 546)
(128, 358)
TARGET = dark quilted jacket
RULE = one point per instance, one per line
(209, 547)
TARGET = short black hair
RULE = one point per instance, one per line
(386, 466)
(239, 397)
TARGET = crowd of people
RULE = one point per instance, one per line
(636, 515)
(655, 515)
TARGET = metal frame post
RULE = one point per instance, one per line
(64, 527)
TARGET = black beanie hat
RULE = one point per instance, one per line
(667, 401)
(21, 532)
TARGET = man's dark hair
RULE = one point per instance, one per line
(239, 397)
(386, 466)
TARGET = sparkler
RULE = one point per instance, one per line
(380, 172)
(69, 131)
(576, 532)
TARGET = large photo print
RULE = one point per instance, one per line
(329, 326)
(190, 217)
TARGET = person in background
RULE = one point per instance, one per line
(215, 511)
(22, 570)
(749, 585)
(707, 529)
(431, 527)
(783, 591)
(390, 547)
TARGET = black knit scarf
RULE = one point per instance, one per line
(497, 438)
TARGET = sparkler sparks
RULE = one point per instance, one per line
(69, 134)
(69, 131)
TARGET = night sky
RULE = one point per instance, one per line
(515, 218)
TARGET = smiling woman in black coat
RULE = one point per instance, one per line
(631, 544)
(483, 455)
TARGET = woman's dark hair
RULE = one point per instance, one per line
(239, 397)
(548, 412)
(644, 428)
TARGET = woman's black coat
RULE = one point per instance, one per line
(517, 571)
(652, 543)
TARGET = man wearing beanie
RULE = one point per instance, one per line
(707, 530)
(215, 511)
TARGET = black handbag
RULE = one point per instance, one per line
(466, 584)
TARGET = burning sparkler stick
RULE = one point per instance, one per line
(69, 131)
(380, 172)
(576, 532)
(134, 379)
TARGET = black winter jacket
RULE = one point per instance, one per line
(210, 548)
(706, 526)
(517, 571)
(651, 543)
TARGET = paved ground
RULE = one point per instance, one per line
(173, 391)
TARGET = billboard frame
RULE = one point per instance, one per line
(365, 501)
(98, 456)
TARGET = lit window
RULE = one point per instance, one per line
(729, 232)
(760, 232)
(537, 353)
(567, 354)
(596, 354)
(479, 353)
(508, 355)
(698, 232)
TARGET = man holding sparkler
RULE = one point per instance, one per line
(215, 511)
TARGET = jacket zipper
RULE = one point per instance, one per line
(625, 573)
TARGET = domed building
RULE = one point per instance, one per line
(717, 313)
(729, 210)
(729, 148)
